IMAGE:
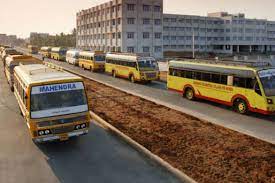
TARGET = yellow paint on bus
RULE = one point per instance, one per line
(134, 67)
(245, 86)
(94, 61)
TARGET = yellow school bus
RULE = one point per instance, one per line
(53, 102)
(135, 67)
(59, 53)
(14, 60)
(33, 49)
(46, 51)
(93, 61)
(246, 86)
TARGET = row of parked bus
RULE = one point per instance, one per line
(135, 67)
(53, 102)
(245, 86)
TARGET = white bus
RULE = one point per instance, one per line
(72, 57)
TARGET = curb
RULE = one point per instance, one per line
(179, 174)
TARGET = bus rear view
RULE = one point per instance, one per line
(56, 106)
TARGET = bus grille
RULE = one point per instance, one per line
(61, 130)
(151, 75)
(62, 121)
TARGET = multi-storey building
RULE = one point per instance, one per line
(141, 26)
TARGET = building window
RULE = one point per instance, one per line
(113, 9)
(146, 7)
(130, 49)
(119, 35)
(114, 22)
(131, 7)
(158, 49)
(146, 49)
(130, 35)
(130, 21)
(118, 21)
(146, 21)
(114, 35)
(118, 7)
(157, 9)
(173, 20)
(157, 35)
(157, 21)
(146, 35)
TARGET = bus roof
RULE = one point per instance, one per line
(57, 49)
(238, 70)
(127, 57)
(73, 52)
(38, 73)
(23, 59)
(45, 48)
(90, 53)
(244, 65)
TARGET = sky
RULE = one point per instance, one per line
(20, 17)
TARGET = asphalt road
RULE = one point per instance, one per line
(97, 157)
(256, 125)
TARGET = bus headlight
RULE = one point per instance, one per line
(47, 132)
(77, 127)
(83, 125)
(41, 132)
(269, 101)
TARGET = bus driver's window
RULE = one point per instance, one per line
(257, 88)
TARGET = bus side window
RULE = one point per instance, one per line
(250, 82)
(224, 79)
(189, 74)
(206, 77)
(239, 82)
(257, 88)
(197, 75)
(170, 71)
(216, 78)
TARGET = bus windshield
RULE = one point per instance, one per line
(59, 99)
(99, 58)
(147, 65)
(267, 78)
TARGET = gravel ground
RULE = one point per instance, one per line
(204, 151)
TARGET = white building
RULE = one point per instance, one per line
(141, 26)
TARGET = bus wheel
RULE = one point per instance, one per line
(132, 79)
(114, 74)
(241, 106)
(189, 94)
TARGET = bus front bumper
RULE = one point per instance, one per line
(60, 137)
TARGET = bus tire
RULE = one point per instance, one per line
(114, 74)
(189, 94)
(132, 78)
(240, 106)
